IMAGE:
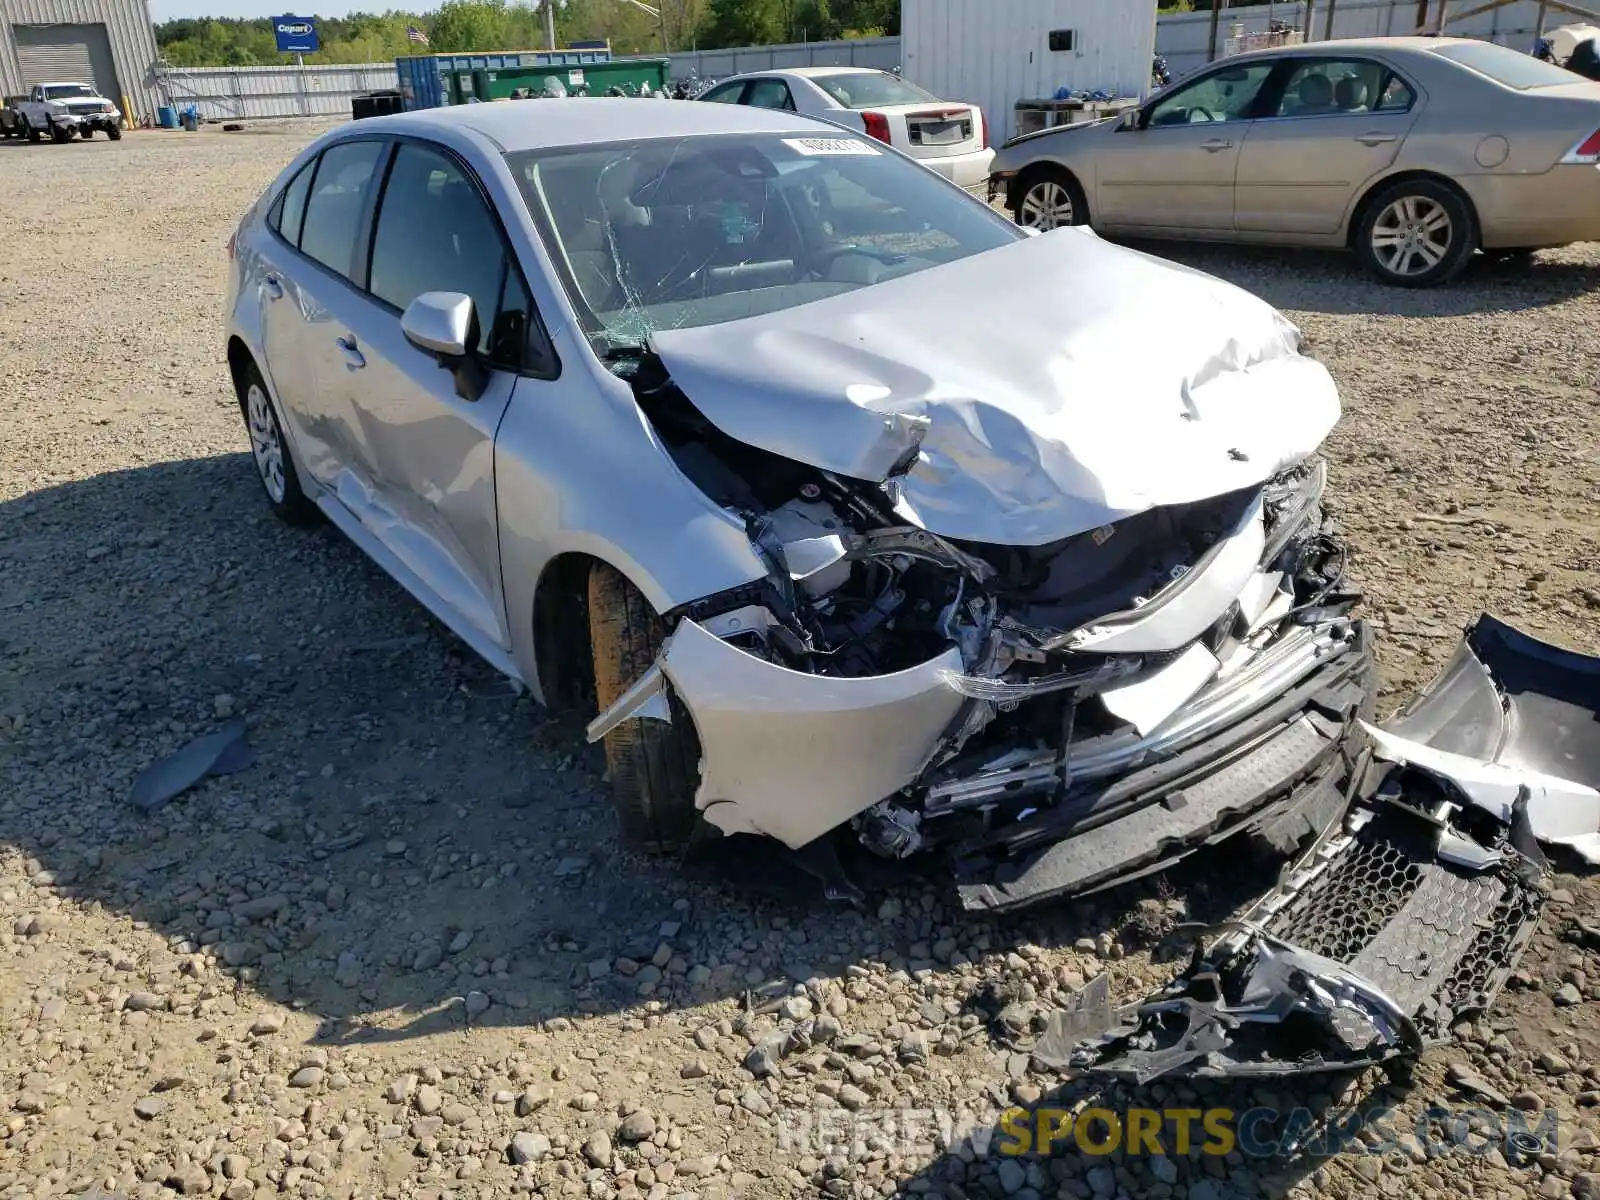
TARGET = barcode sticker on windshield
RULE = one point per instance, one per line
(818, 147)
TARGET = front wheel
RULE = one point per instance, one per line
(33, 134)
(115, 133)
(654, 765)
(1416, 233)
(1048, 198)
(86, 133)
(59, 133)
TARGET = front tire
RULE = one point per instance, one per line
(1048, 197)
(654, 766)
(59, 133)
(115, 133)
(86, 133)
(33, 134)
(1416, 233)
(270, 451)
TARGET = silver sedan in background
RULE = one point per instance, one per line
(1412, 151)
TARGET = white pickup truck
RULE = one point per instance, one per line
(64, 109)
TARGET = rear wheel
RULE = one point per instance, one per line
(33, 134)
(1047, 198)
(274, 465)
(654, 766)
(1416, 233)
(86, 133)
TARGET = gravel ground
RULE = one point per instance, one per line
(401, 954)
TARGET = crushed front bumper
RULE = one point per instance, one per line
(1280, 771)
(1408, 915)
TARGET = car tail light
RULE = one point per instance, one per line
(877, 125)
(1586, 151)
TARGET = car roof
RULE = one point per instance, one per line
(1414, 44)
(574, 121)
(805, 73)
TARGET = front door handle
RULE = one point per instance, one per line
(1377, 139)
(273, 286)
(353, 358)
(1216, 144)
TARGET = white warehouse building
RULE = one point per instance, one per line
(109, 43)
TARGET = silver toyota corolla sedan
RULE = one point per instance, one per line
(861, 519)
(1413, 152)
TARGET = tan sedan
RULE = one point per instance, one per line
(1413, 151)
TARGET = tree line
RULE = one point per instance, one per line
(464, 25)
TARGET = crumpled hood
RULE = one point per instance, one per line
(1054, 385)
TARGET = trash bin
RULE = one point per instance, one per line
(167, 116)
(191, 118)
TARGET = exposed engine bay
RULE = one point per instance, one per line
(1033, 674)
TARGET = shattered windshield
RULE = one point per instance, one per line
(671, 233)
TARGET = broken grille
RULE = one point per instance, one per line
(1435, 939)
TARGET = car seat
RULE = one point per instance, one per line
(1313, 96)
(1350, 94)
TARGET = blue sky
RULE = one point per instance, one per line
(167, 10)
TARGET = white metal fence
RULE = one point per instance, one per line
(1182, 38)
(248, 93)
(243, 93)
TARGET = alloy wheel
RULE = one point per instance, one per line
(1046, 205)
(264, 441)
(1412, 235)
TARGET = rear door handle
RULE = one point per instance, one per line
(1216, 144)
(1377, 139)
(353, 358)
(273, 286)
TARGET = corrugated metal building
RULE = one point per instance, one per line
(109, 43)
(994, 53)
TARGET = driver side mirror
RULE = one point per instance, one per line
(443, 324)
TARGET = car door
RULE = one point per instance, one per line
(1175, 168)
(427, 453)
(307, 289)
(1332, 124)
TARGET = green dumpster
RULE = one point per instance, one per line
(632, 75)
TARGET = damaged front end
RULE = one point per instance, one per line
(1053, 718)
(1409, 916)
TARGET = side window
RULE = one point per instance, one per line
(290, 210)
(1330, 87)
(1225, 95)
(727, 93)
(770, 93)
(435, 234)
(333, 209)
(1396, 96)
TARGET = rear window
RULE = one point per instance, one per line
(868, 89)
(1507, 67)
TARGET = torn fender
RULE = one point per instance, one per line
(788, 754)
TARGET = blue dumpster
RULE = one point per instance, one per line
(167, 116)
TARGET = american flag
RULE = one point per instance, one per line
(413, 34)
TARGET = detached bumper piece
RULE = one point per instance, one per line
(1411, 914)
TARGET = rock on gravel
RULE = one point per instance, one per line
(403, 954)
